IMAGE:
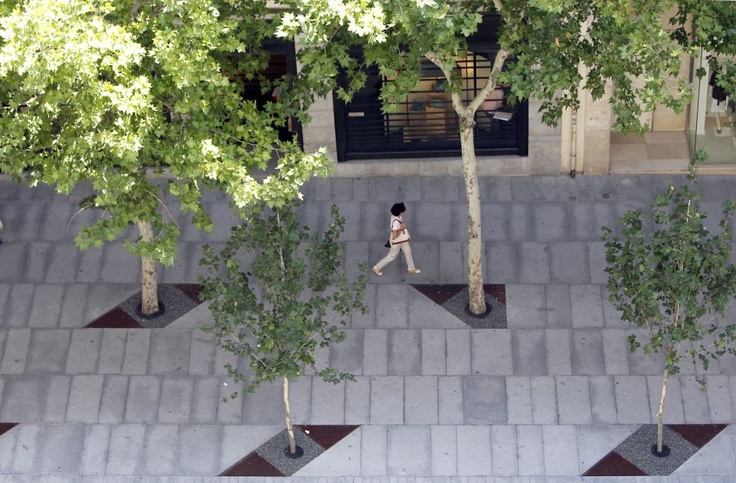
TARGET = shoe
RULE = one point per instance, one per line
(377, 271)
(414, 270)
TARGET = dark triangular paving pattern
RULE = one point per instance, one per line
(5, 427)
(269, 458)
(454, 299)
(633, 457)
(115, 318)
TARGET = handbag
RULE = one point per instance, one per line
(388, 243)
(402, 238)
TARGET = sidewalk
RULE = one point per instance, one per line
(543, 400)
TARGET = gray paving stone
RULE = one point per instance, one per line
(112, 352)
(387, 400)
(534, 262)
(434, 355)
(491, 352)
(714, 462)
(265, 405)
(530, 450)
(549, 221)
(421, 403)
(559, 310)
(239, 440)
(347, 356)
(615, 352)
(560, 450)
(404, 352)
(367, 320)
(137, 350)
(375, 352)
(484, 400)
(37, 262)
(436, 221)
(119, 266)
(114, 395)
(16, 351)
(474, 451)
(458, 352)
(495, 221)
(90, 263)
(19, 309)
(28, 449)
(328, 402)
(581, 222)
(645, 364)
(674, 411)
(408, 450)
(61, 449)
(4, 301)
(158, 453)
(502, 262)
(529, 351)
(569, 262)
(124, 451)
(450, 400)
(175, 405)
(141, 405)
(526, 306)
(544, 400)
(55, 224)
(504, 449)
(595, 442)
(425, 314)
(597, 259)
(48, 351)
(85, 397)
(573, 400)
(718, 391)
(587, 353)
(104, 296)
(204, 399)
(391, 309)
(46, 307)
(374, 451)
(587, 306)
(222, 358)
(452, 262)
(57, 398)
(12, 261)
(519, 400)
(24, 398)
(199, 450)
(201, 353)
(73, 306)
(602, 400)
(344, 459)
(169, 351)
(84, 351)
(695, 401)
(632, 400)
(443, 450)
(358, 401)
(519, 221)
(559, 360)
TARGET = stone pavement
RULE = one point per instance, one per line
(542, 400)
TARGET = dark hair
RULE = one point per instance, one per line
(398, 209)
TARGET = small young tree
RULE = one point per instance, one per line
(666, 281)
(279, 329)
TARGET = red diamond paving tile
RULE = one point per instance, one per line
(439, 294)
(5, 427)
(252, 465)
(114, 319)
(327, 435)
(698, 434)
(613, 464)
(191, 290)
(496, 291)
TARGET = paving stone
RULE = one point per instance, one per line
(328, 402)
(23, 398)
(674, 410)
(529, 351)
(581, 222)
(344, 459)
(443, 450)
(491, 352)
(61, 449)
(12, 261)
(615, 352)
(544, 400)
(458, 352)
(119, 266)
(632, 400)
(28, 449)
(559, 312)
(137, 349)
(569, 262)
(57, 398)
(560, 450)
(347, 356)
(526, 306)
(504, 449)
(502, 262)
(90, 263)
(587, 353)
(204, 399)
(16, 351)
(19, 309)
(222, 358)
(4, 301)
(240, 440)
(720, 405)
(198, 450)
(374, 451)
(598, 265)
(264, 406)
(357, 401)
(408, 450)
(450, 400)
(158, 453)
(519, 400)
(404, 352)
(37, 262)
(421, 404)
(549, 221)
(114, 395)
(112, 352)
(602, 400)
(495, 219)
(84, 351)
(587, 306)
(695, 401)
(368, 320)
(124, 451)
(436, 222)
(559, 360)
(642, 364)
(391, 310)
(387, 400)
(85, 397)
(573, 400)
(519, 221)
(434, 355)
(474, 451)
(104, 296)
(46, 308)
(169, 351)
(48, 351)
(595, 442)
(141, 405)
(175, 405)
(375, 352)
(530, 450)
(484, 400)
(534, 262)
(73, 306)
(55, 224)
(714, 462)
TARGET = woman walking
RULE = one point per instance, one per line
(399, 240)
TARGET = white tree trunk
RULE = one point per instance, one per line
(476, 297)
(149, 293)
(660, 414)
(287, 411)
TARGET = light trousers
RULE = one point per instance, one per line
(393, 252)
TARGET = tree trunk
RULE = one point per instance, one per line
(149, 293)
(287, 411)
(660, 414)
(476, 297)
